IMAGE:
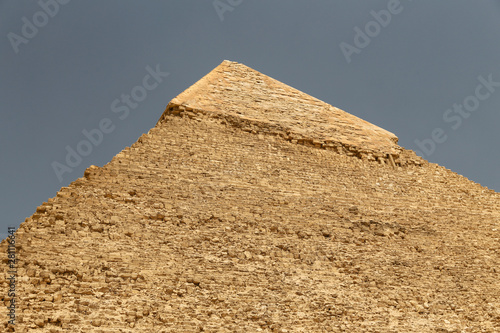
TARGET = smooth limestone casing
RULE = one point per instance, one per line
(203, 226)
(258, 103)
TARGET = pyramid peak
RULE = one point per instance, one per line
(245, 96)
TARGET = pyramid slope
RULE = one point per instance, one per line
(237, 90)
(202, 226)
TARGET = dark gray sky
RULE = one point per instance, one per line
(401, 65)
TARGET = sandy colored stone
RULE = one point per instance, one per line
(252, 207)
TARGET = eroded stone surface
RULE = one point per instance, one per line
(203, 226)
(259, 103)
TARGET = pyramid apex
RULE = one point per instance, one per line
(246, 95)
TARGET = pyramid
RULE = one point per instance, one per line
(257, 102)
(253, 207)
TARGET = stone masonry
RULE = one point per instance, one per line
(253, 207)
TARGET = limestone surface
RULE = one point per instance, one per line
(233, 214)
(247, 97)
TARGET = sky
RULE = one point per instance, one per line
(82, 80)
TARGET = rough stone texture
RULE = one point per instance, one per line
(258, 103)
(201, 226)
